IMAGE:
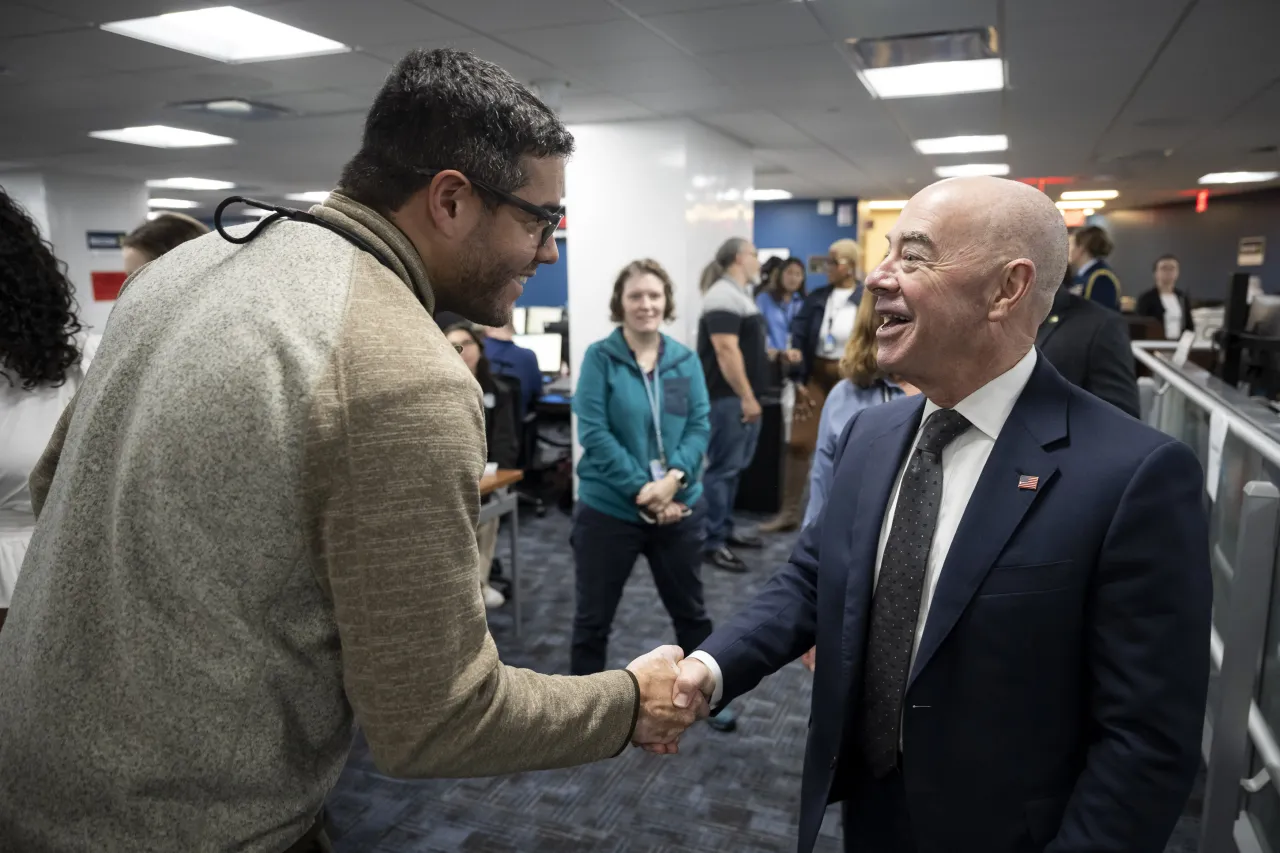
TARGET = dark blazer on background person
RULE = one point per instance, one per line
(806, 327)
(502, 420)
(1089, 345)
(1057, 695)
(1099, 284)
(1150, 305)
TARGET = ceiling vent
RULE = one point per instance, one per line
(235, 108)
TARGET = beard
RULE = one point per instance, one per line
(479, 289)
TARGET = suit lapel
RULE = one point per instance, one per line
(998, 505)
(884, 455)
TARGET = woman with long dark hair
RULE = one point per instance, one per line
(43, 355)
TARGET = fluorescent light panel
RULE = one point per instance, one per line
(1238, 177)
(962, 144)
(226, 34)
(968, 170)
(934, 78)
(894, 204)
(1081, 204)
(161, 136)
(1086, 194)
(317, 196)
(172, 203)
(189, 184)
(767, 195)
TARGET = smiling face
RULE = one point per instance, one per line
(644, 303)
(957, 295)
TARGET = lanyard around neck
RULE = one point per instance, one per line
(655, 402)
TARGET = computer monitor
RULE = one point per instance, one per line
(537, 319)
(546, 347)
(518, 320)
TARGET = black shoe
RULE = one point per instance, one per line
(725, 559)
(745, 540)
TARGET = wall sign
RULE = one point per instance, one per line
(105, 239)
(844, 216)
(826, 207)
(107, 285)
(1251, 252)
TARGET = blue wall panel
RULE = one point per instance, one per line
(550, 287)
(796, 225)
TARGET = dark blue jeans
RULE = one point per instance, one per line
(604, 553)
(732, 447)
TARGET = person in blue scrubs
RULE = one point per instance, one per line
(779, 300)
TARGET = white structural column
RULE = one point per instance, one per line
(66, 208)
(670, 190)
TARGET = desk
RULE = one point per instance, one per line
(504, 503)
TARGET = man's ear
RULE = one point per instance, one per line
(1017, 282)
(449, 203)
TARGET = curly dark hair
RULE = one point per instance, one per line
(37, 304)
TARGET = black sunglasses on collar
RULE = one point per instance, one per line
(552, 218)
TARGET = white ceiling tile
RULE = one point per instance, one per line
(322, 101)
(367, 23)
(696, 100)
(976, 113)
(517, 64)
(659, 7)
(588, 109)
(759, 129)
(88, 51)
(26, 21)
(648, 75)
(596, 44)
(879, 18)
(104, 11)
(505, 16)
(742, 28)
(780, 66)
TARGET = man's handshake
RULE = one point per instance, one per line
(674, 694)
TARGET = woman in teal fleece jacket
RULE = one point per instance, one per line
(638, 488)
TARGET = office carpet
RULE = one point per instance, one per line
(724, 792)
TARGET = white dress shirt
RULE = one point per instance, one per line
(1172, 315)
(963, 459)
(837, 321)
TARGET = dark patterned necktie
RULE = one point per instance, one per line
(895, 610)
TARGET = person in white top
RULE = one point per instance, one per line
(1166, 302)
(1008, 586)
(43, 354)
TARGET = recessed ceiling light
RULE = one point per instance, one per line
(1238, 177)
(894, 204)
(317, 196)
(962, 144)
(1073, 194)
(935, 78)
(968, 170)
(226, 34)
(767, 195)
(238, 109)
(172, 203)
(1081, 204)
(1088, 211)
(160, 136)
(189, 184)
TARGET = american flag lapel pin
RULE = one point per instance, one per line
(1028, 482)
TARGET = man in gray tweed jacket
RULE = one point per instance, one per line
(257, 518)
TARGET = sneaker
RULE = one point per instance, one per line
(723, 558)
(492, 598)
(783, 523)
(725, 721)
(745, 540)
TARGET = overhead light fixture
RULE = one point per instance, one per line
(1077, 194)
(1088, 211)
(894, 204)
(932, 64)
(1081, 204)
(238, 109)
(189, 184)
(226, 34)
(767, 195)
(172, 203)
(962, 144)
(161, 136)
(1238, 177)
(316, 196)
(968, 170)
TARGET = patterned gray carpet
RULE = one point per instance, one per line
(724, 792)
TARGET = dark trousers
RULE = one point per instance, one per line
(729, 453)
(604, 553)
(875, 815)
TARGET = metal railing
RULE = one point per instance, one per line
(1234, 720)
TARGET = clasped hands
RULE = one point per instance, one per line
(657, 498)
(674, 694)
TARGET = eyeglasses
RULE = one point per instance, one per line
(552, 218)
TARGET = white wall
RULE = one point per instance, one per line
(78, 204)
(27, 189)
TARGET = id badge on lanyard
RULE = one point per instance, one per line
(657, 467)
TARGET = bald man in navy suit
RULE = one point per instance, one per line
(1009, 586)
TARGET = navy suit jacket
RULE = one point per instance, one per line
(1058, 692)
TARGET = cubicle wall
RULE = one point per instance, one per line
(1238, 443)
